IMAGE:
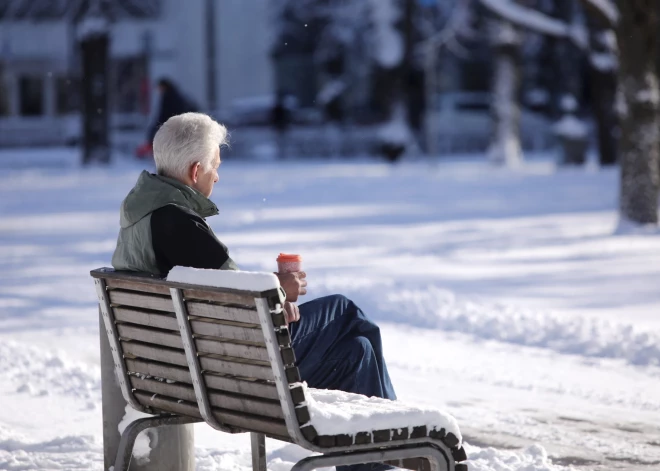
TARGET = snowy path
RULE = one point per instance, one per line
(503, 297)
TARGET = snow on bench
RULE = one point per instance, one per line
(337, 412)
(239, 280)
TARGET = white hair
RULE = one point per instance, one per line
(186, 139)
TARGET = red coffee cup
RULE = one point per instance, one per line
(287, 263)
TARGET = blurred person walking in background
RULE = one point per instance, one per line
(172, 103)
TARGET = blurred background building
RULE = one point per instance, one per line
(189, 42)
(356, 76)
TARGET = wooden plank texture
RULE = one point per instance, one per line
(245, 370)
(137, 286)
(245, 387)
(156, 337)
(235, 385)
(151, 352)
(231, 349)
(219, 297)
(146, 301)
(157, 319)
(159, 370)
(231, 332)
(212, 345)
(227, 313)
(213, 362)
(167, 405)
(244, 422)
(235, 402)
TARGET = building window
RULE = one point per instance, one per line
(67, 95)
(31, 96)
(128, 85)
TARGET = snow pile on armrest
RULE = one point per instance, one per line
(243, 280)
(337, 412)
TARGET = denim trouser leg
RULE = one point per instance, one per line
(338, 347)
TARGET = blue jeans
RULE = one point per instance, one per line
(338, 347)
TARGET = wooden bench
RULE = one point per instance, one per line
(190, 353)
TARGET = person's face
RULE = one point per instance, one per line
(206, 178)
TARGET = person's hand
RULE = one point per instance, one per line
(294, 284)
(291, 313)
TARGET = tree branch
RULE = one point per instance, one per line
(536, 21)
(605, 9)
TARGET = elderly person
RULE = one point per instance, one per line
(163, 225)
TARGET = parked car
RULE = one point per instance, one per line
(464, 123)
(256, 111)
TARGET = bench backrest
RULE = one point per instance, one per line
(223, 355)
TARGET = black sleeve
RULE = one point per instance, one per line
(182, 238)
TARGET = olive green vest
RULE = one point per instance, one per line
(134, 250)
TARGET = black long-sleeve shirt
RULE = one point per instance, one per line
(181, 237)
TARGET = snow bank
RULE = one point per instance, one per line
(243, 280)
(533, 458)
(40, 373)
(628, 227)
(587, 336)
(66, 452)
(337, 412)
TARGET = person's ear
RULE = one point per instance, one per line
(194, 171)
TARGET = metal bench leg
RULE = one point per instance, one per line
(125, 450)
(438, 460)
(258, 441)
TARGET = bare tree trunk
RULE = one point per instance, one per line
(603, 64)
(640, 99)
(394, 135)
(95, 113)
(505, 145)
(570, 66)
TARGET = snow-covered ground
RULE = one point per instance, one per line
(504, 298)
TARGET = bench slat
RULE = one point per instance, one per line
(210, 331)
(253, 424)
(146, 301)
(223, 383)
(160, 320)
(230, 349)
(149, 352)
(137, 286)
(167, 405)
(159, 338)
(239, 386)
(159, 370)
(227, 313)
(229, 329)
(221, 366)
(224, 298)
(223, 331)
(251, 405)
